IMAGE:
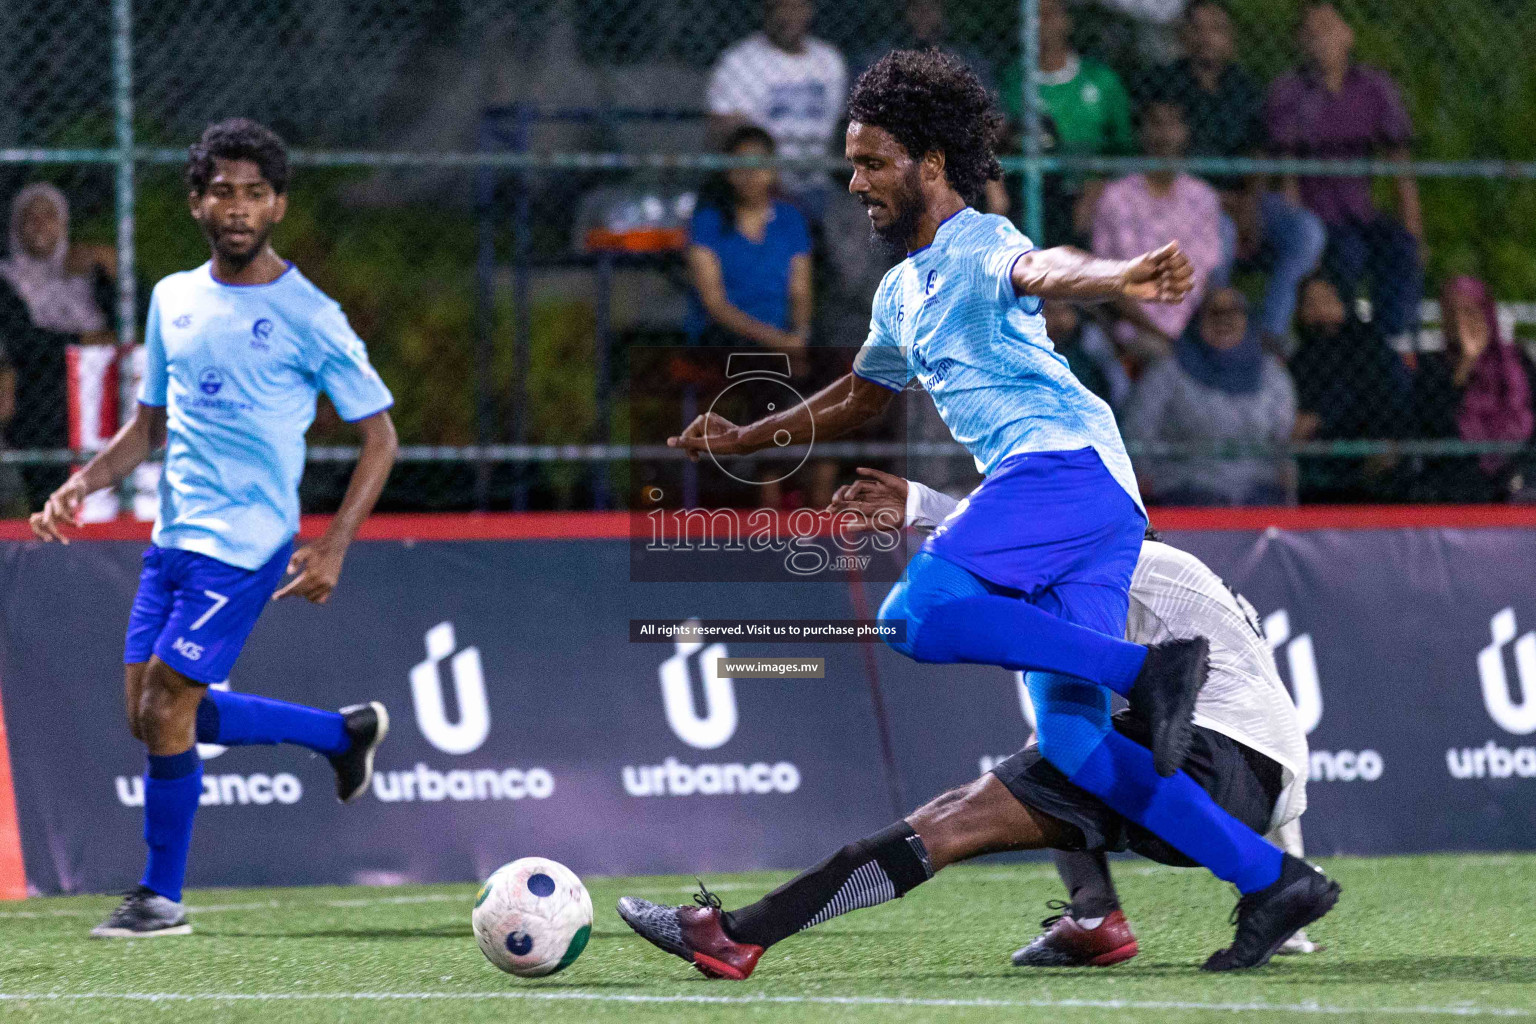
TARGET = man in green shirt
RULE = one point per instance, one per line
(1086, 105)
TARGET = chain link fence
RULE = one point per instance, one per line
(500, 193)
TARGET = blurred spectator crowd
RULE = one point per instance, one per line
(1303, 325)
(1304, 321)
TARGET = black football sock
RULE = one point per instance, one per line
(1091, 889)
(882, 867)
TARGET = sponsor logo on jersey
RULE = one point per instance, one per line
(210, 381)
(184, 321)
(187, 649)
(261, 330)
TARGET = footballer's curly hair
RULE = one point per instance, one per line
(930, 100)
(238, 139)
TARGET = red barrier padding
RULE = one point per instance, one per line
(616, 525)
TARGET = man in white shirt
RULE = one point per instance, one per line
(787, 81)
(1173, 595)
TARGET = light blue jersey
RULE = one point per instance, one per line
(948, 316)
(238, 368)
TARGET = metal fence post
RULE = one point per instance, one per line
(1034, 181)
(127, 304)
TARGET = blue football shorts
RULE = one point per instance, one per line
(196, 612)
(1043, 519)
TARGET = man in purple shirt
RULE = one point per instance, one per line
(1334, 108)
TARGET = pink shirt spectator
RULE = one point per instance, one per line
(1363, 119)
(1130, 221)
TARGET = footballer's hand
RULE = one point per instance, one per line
(315, 568)
(1162, 275)
(710, 432)
(61, 509)
(879, 499)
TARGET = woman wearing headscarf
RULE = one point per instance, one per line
(1477, 389)
(48, 300)
(1218, 387)
(1350, 384)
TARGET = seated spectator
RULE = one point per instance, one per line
(1477, 389)
(788, 82)
(1335, 108)
(50, 297)
(749, 257)
(1221, 104)
(1218, 386)
(1089, 114)
(1349, 385)
(1141, 212)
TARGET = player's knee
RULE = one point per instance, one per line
(167, 709)
(956, 823)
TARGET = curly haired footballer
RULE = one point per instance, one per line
(930, 100)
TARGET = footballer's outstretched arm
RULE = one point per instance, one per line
(1163, 275)
(841, 406)
(318, 565)
(134, 442)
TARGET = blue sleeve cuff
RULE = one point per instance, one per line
(1013, 263)
(152, 405)
(876, 380)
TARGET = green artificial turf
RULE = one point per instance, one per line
(1413, 939)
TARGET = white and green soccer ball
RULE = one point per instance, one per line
(532, 917)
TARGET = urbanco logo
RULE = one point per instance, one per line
(717, 724)
(1498, 696)
(705, 729)
(1301, 665)
(474, 725)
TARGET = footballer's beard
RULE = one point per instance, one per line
(237, 259)
(906, 206)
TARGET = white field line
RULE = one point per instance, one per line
(221, 908)
(1458, 1010)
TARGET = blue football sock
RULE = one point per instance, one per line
(990, 629)
(172, 787)
(244, 719)
(1120, 772)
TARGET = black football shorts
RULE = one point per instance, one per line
(1242, 781)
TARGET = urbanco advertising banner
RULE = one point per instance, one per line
(530, 717)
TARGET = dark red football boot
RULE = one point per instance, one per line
(693, 933)
(1065, 943)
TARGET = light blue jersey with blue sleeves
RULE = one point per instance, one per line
(948, 316)
(237, 368)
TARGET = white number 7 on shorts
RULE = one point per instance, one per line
(219, 601)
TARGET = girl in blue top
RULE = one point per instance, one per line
(749, 257)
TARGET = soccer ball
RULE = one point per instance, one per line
(532, 917)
